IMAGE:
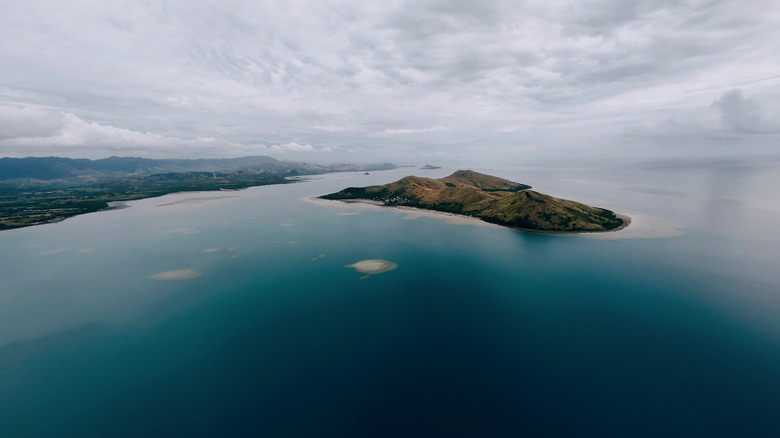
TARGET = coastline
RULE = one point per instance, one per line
(410, 213)
(460, 219)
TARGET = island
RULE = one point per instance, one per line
(430, 167)
(489, 198)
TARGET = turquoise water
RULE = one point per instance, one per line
(480, 331)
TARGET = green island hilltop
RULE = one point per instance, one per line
(492, 199)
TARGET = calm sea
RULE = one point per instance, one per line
(669, 328)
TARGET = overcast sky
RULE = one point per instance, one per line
(412, 81)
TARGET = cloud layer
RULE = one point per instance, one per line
(399, 80)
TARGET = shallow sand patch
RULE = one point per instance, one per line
(211, 250)
(196, 200)
(344, 208)
(315, 258)
(52, 252)
(412, 213)
(183, 231)
(176, 274)
(640, 226)
(355, 207)
(372, 267)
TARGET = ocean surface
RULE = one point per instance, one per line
(668, 328)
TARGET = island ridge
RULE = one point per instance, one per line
(492, 199)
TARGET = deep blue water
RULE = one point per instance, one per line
(479, 332)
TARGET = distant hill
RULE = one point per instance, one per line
(55, 168)
(43, 170)
(489, 198)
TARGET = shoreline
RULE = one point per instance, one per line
(124, 200)
(473, 220)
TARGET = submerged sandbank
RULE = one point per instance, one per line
(176, 274)
(642, 227)
(373, 266)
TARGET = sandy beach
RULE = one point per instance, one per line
(355, 206)
(651, 227)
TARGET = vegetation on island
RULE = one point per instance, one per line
(50, 189)
(489, 198)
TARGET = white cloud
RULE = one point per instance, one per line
(743, 114)
(27, 121)
(41, 128)
(37, 131)
(332, 128)
(415, 131)
(292, 147)
(729, 124)
(347, 75)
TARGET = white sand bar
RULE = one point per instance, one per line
(642, 226)
(176, 274)
(372, 267)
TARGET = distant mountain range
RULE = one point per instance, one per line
(489, 198)
(48, 170)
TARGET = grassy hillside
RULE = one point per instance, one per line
(537, 211)
(492, 199)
